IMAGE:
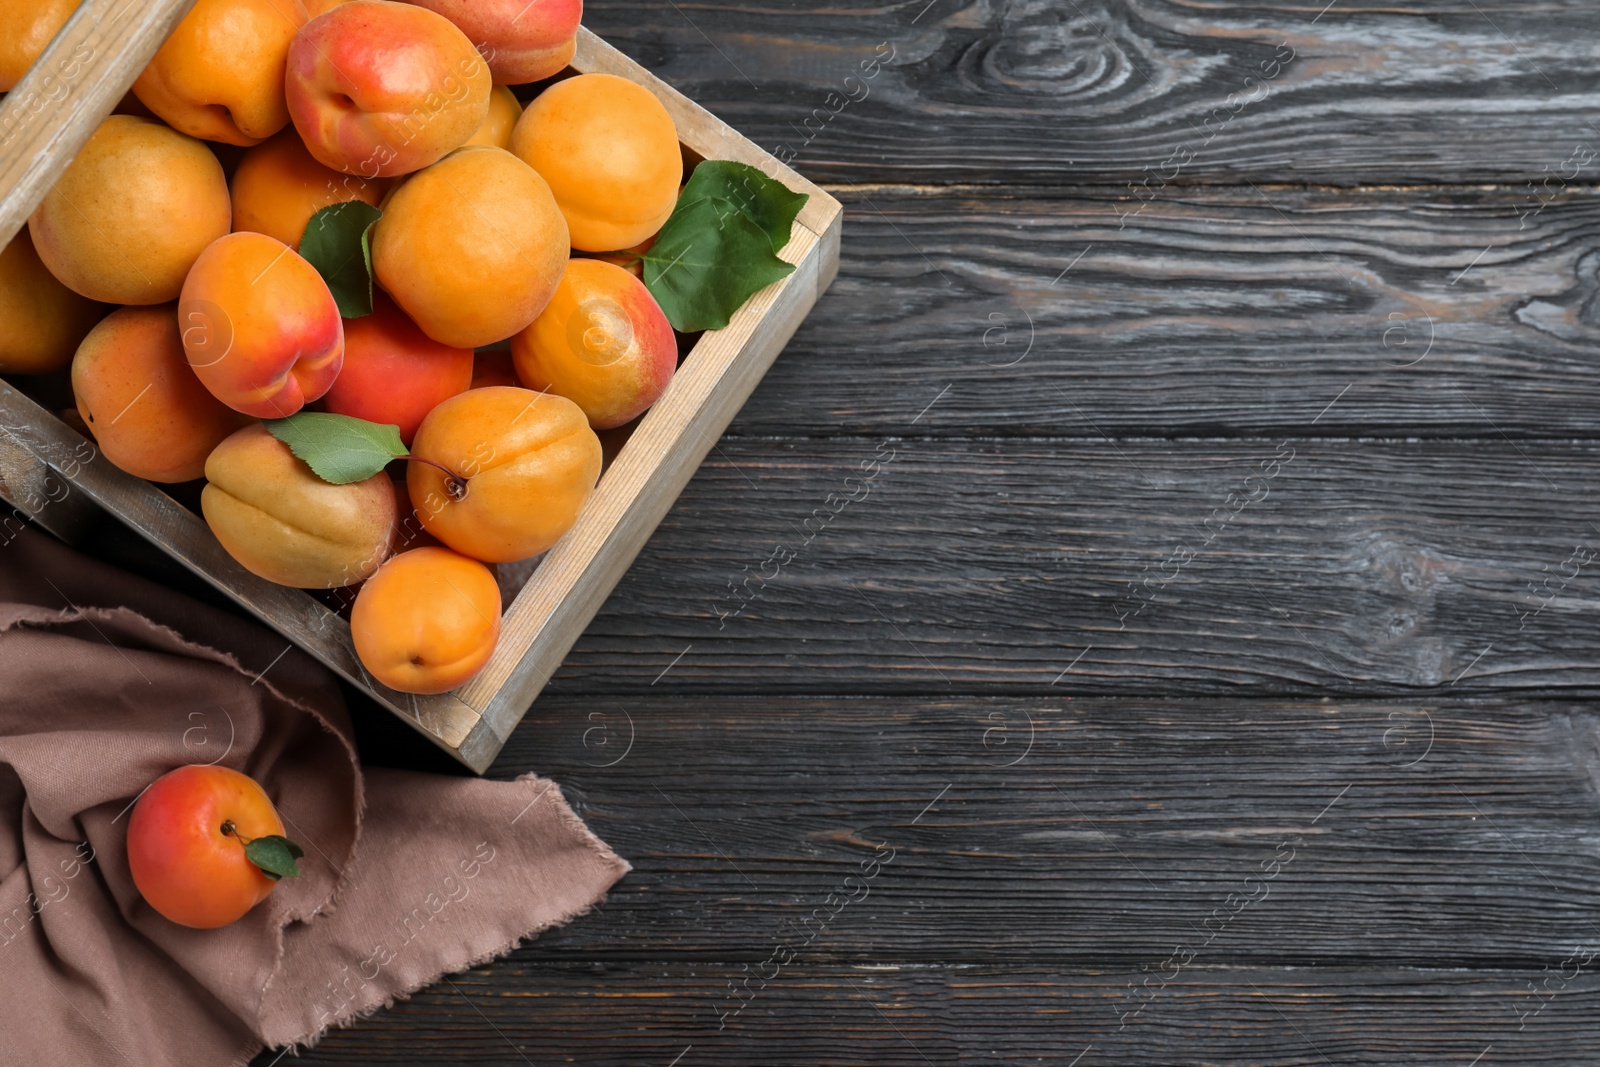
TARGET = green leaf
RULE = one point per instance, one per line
(338, 448)
(707, 261)
(275, 856)
(338, 243)
(769, 204)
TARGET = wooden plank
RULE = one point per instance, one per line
(1266, 566)
(1447, 313)
(893, 1016)
(1119, 92)
(1054, 829)
(35, 491)
(80, 77)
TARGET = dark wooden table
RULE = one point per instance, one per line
(1147, 615)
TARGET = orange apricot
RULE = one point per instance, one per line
(41, 320)
(220, 74)
(521, 464)
(602, 342)
(504, 111)
(130, 215)
(472, 247)
(260, 327)
(285, 524)
(147, 411)
(427, 621)
(279, 186)
(26, 26)
(610, 152)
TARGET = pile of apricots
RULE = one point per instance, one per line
(164, 266)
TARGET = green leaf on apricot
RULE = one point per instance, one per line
(275, 856)
(338, 242)
(709, 258)
(339, 448)
(769, 204)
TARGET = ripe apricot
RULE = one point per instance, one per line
(26, 26)
(381, 89)
(282, 522)
(147, 411)
(504, 111)
(260, 327)
(471, 247)
(279, 186)
(522, 464)
(602, 342)
(131, 214)
(185, 851)
(393, 372)
(522, 40)
(427, 621)
(220, 74)
(322, 7)
(41, 320)
(610, 153)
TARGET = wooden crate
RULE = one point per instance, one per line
(51, 473)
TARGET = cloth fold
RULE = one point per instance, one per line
(108, 681)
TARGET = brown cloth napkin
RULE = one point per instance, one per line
(108, 681)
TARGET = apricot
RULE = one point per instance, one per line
(41, 320)
(382, 89)
(471, 248)
(610, 152)
(130, 215)
(285, 524)
(393, 372)
(322, 7)
(504, 111)
(260, 327)
(602, 342)
(279, 186)
(186, 845)
(147, 411)
(521, 465)
(26, 26)
(427, 621)
(522, 40)
(220, 74)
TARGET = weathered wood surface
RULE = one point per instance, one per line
(1380, 655)
(1118, 91)
(1029, 884)
(908, 1016)
(1082, 830)
(1243, 311)
(1248, 566)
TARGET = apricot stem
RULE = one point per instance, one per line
(454, 484)
(230, 830)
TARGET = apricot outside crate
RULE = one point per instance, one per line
(47, 118)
